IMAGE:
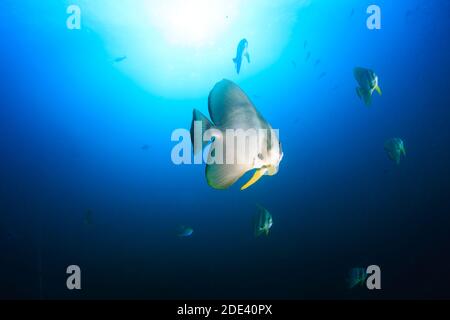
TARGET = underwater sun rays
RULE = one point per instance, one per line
(178, 49)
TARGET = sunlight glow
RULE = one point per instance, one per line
(192, 23)
(181, 48)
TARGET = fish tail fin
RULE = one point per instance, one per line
(237, 63)
(205, 124)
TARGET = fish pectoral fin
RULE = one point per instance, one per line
(247, 55)
(258, 175)
(378, 89)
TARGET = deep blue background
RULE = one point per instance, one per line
(72, 127)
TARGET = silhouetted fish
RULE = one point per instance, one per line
(263, 222)
(356, 276)
(241, 52)
(185, 232)
(368, 83)
(120, 59)
(395, 148)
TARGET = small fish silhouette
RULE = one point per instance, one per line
(120, 59)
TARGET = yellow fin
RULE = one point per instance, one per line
(258, 175)
(378, 90)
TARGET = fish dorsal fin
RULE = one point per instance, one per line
(247, 55)
(230, 108)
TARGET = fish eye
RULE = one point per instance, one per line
(260, 156)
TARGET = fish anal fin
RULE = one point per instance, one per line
(259, 173)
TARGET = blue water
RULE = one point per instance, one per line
(73, 124)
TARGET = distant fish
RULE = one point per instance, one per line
(294, 64)
(322, 75)
(185, 232)
(352, 13)
(145, 147)
(241, 52)
(368, 83)
(317, 63)
(356, 277)
(305, 44)
(308, 55)
(263, 222)
(395, 149)
(120, 59)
